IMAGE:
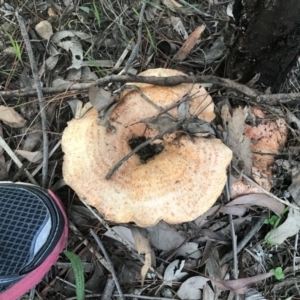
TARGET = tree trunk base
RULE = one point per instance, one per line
(269, 42)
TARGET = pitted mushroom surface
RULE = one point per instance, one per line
(176, 185)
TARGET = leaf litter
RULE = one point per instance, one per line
(176, 261)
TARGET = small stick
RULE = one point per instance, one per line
(112, 270)
(42, 102)
(254, 229)
(162, 81)
(135, 50)
(100, 258)
(109, 288)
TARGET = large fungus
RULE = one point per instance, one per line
(176, 185)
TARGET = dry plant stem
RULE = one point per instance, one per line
(233, 235)
(42, 103)
(36, 170)
(13, 156)
(126, 295)
(295, 253)
(162, 81)
(254, 229)
(100, 258)
(275, 99)
(31, 294)
(109, 288)
(118, 238)
(141, 146)
(71, 284)
(112, 270)
(285, 202)
(135, 51)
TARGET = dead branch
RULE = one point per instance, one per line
(162, 81)
(39, 92)
(135, 51)
(271, 99)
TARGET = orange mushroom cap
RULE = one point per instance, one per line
(177, 185)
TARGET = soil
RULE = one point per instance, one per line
(268, 42)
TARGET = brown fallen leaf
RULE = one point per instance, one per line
(240, 285)
(100, 98)
(189, 44)
(259, 200)
(11, 118)
(237, 141)
(143, 247)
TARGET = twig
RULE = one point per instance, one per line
(275, 99)
(13, 156)
(136, 48)
(141, 146)
(162, 81)
(112, 270)
(254, 229)
(100, 258)
(295, 252)
(42, 103)
(109, 288)
(233, 235)
(126, 295)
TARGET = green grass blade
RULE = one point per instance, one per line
(15, 46)
(96, 13)
(78, 272)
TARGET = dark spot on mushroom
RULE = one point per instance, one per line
(146, 152)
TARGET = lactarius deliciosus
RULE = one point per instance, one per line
(176, 185)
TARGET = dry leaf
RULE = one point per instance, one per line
(173, 272)
(143, 247)
(69, 41)
(240, 285)
(164, 237)
(33, 157)
(171, 4)
(290, 227)
(260, 200)
(237, 141)
(189, 250)
(179, 27)
(100, 98)
(122, 232)
(190, 289)
(11, 118)
(44, 30)
(189, 44)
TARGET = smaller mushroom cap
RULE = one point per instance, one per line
(177, 185)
